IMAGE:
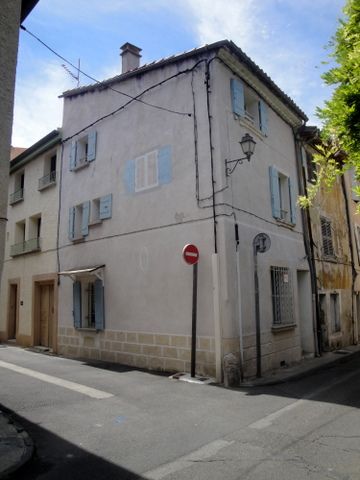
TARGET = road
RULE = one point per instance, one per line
(92, 420)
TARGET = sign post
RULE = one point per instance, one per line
(191, 256)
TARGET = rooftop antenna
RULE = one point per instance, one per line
(77, 77)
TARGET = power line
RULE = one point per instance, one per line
(98, 82)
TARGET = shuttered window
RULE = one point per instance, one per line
(283, 199)
(88, 304)
(83, 151)
(326, 234)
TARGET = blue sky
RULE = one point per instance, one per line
(284, 37)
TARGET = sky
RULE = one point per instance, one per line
(286, 38)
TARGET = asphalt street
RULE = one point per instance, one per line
(103, 421)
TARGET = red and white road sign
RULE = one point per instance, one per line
(190, 254)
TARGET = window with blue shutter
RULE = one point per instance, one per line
(91, 149)
(275, 192)
(85, 218)
(164, 165)
(77, 304)
(73, 153)
(99, 305)
(237, 97)
(71, 222)
(263, 120)
(105, 206)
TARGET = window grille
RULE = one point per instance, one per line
(282, 296)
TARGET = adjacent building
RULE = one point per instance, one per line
(28, 297)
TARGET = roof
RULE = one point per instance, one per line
(47, 142)
(26, 7)
(214, 47)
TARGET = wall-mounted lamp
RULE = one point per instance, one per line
(248, 146)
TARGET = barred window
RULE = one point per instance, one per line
(327, 241)
(282, 296)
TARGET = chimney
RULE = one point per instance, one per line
(130, 57)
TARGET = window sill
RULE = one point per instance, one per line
(88, 330)
(77, 239)
(250, 126)
(80, 167)
(282, 328)
(285, 224)
(95, 222)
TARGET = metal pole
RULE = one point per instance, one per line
(257, 314)
(193, 330)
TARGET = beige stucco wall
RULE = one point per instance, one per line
(9, 35)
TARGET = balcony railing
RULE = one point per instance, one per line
(33, 245)
(47, 180)
(17, 196)
(249, 117)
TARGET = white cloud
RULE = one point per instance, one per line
(38, 110)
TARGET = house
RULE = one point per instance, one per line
(13, 12)
(333, 237)
(28, 297)
(147, 169)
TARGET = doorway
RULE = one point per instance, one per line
(13, 319)
(46, 315)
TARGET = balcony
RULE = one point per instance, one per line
(29, 246)
(47, 181)
(17, 196)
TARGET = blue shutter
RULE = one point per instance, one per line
(292, 201)
(85, 218)
(77, 304)
(71, 222)
(105, 206)
(275, 193)
(263, 118)
(164, 164)
(73, 150)
(91, 153)
(99, 305)
(237, 97)
(130, 177)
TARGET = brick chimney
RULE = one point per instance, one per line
(130, 57)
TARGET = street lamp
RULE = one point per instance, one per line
(248, 146)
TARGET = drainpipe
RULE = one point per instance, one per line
(308, 244)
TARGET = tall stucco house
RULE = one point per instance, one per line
(13, 12)
(148, 168)
(333, 228)
(28, 297)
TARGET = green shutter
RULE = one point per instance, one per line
(85, 218)
(237, 97)
(292, 201)
(99, 305)
(275, 192)
(71, 222)
(105, 206)
(73, 151)
(91, 153)
(263, 118)
(77, 304)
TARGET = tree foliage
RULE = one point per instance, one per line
(341, 114)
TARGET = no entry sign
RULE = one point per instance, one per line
(190, 254)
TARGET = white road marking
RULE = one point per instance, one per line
(76, 387)
(184, 462)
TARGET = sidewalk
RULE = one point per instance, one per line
(17, 448)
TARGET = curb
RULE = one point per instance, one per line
(28, 447)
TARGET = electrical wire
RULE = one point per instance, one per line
(103, 83)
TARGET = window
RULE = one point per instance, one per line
(246, 105)
(83, 215)
(88, 303)
(309, 164)
(334, 312)
(18, 194)
(49, 177)
(149, 170)
(83, 151)
(282, 296)
(33, 244)
(326, 234)
(282, 197)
